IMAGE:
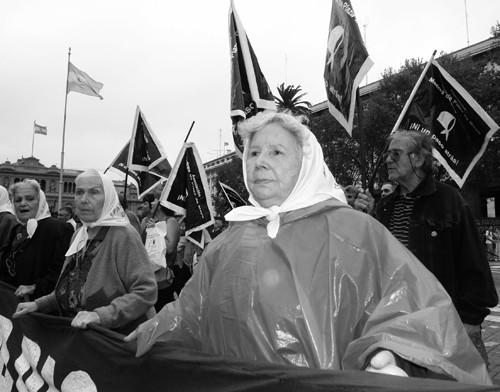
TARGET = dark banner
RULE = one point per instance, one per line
(250, 92)
(42, 353)
(347, 63)
(233, 197)
(147, 150)
(186, 192)
(459, 127)
(145, 181)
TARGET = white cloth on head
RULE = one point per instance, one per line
(5, 204)
(112, 214)
(314, 184)
(42, 213)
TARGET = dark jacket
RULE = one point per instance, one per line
(444, 237)
(39, 260)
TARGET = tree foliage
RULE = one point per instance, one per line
(290, 98)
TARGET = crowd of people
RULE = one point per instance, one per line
(309, 273)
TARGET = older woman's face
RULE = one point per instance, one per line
(26, 201)
(273, 164)
(89, 197)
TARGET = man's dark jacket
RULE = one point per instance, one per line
(444, 237)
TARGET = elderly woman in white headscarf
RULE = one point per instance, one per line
(301, 278)
(35, 254)
(7, 220)
(106, 278)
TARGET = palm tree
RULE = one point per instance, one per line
(290, 99)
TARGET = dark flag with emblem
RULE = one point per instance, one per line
(147, 164)
(347, 63)
(460, 129)
(250, 92)
(234, 199)
(186, 192)
(144, 181)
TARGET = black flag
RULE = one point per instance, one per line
(250, 92)
(234, 199)
(186, 192)
(459, 127)
(147, 163)
(347, 63)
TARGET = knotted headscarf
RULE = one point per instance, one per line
(42, 213)
(5, 204)
(112, 213)
(314, 184)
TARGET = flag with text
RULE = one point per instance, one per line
(459, 127)
(186, 192)
(250, 92)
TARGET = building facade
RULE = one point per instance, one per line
(49, 180)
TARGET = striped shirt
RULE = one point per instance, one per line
(400, 219)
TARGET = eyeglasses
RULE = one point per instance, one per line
(395, 155)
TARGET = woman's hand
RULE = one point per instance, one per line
(144, 334)
(24, 308)
(384, 362)
(23, 290)
(83, 318)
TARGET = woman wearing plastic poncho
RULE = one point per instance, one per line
(301, 278)
(106, 278)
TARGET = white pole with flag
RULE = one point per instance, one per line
(37, 129)
(59, 200)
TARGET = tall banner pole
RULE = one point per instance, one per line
(400, 118)
(59, 205)
(413, 92)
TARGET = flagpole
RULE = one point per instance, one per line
(398, 122)
(361, 139)
(189, 132)
(63, 136)
(412, 95)
(33, 141)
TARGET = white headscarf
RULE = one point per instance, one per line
(112, 213)
(314, 184)
(42, 213)
(5, 204)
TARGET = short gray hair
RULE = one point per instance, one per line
(293, 124)
(14, 188)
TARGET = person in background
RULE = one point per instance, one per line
(8, 220)
(132, 217)
(300, 278)
(106, 279)
(387, 188)
(496, 239)
(166, 277)
(435, 223)
(33, 260)
(66, 215)
(489, 243)
(351, 192)
(146, 210)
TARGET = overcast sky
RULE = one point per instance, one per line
(172, 59)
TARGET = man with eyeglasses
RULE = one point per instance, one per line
(436, 224)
